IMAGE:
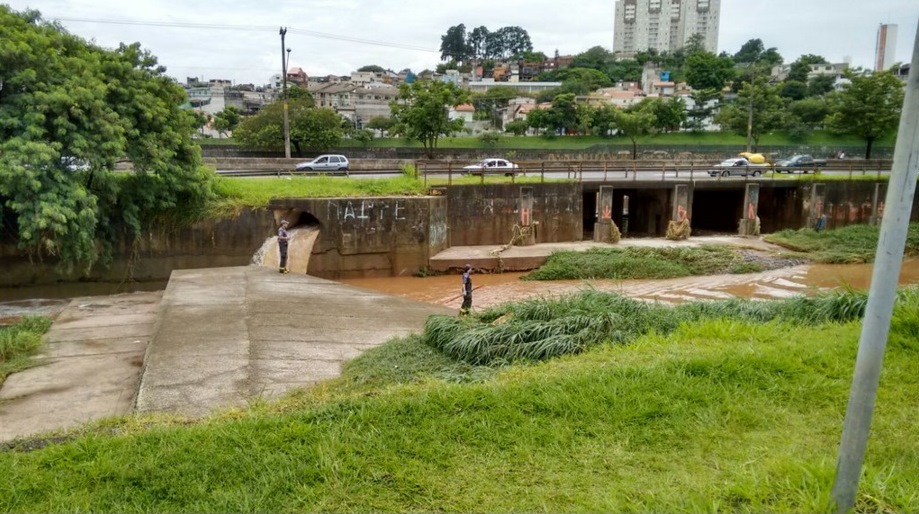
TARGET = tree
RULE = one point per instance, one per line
(767, 107)
(310, 127)
(453, 44)
(811, 112)
(515, 41)
(476, 41)
(821, 85)
(381, 123)
(227, 120)
(868, 107)
(517, 127)
(750, 52)
(703, 107)
(603, 121)
(373, 68)
(65, 100)
(421, 111)
(596, 57)
(705, 70)
(793, 89)
(634, 123)
(669, 114)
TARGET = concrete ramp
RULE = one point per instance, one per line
(229, 335)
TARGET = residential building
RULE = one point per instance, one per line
(465, 112)
(522, 87)
(885, 53)
(817, 70)
(664, 25)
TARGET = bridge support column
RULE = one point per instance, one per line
(605, 229)
(679, 227)
(816, 207)
(877, 205)
(527, 234)
(749, 225)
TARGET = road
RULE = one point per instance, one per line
(587, 175)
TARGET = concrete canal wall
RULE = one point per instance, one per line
(378, 237)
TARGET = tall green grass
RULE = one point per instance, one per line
(718, 415)
(544, 328)
(847, 245)
(257, 192)
(638, 263)
(19, 342)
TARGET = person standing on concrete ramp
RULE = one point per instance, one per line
(283, 241)
(467, 290)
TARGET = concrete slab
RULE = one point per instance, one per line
(213, 350)
(86, 373)
(524, 258)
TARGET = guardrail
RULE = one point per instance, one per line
(638, 170)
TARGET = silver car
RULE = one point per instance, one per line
(327, 164)
(491, 166)
(737, 166)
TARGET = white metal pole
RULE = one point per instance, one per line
(881, 296)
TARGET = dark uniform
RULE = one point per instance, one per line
(467, 290)
(283, 239)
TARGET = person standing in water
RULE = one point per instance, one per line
(283, 241)
(467, 290)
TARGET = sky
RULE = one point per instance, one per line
(238, 40)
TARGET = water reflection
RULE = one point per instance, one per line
(496, 289)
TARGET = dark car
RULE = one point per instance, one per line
(802, 163)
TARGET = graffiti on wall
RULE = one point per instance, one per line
(366, 210)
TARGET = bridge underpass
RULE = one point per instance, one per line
(644, 209)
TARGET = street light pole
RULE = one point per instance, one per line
(284, 54)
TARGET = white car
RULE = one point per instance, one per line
(492, 165)
(326, 163)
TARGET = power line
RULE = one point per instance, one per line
(251, 28)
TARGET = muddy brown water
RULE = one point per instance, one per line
(500, 288)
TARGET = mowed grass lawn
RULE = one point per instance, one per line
(717, 415)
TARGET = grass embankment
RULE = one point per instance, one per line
(19, 342)
(724, 413)
(257, 192)
(847, 245)
(640, 263)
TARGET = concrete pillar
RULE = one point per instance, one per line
(528, 227)
(603, 228)
(816, 207)
(679, 226)
(749, 224)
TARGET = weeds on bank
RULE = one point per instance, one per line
(726, 414)
(847, 245)
(544, 328)
(642, 263)
(19, 342)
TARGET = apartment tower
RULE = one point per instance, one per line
(664, 25)
(885, 53)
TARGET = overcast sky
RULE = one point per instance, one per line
(238, 39)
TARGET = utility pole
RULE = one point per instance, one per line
(284, 54)
(750, 112)
(881, 297)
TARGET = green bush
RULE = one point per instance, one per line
(847, 245)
